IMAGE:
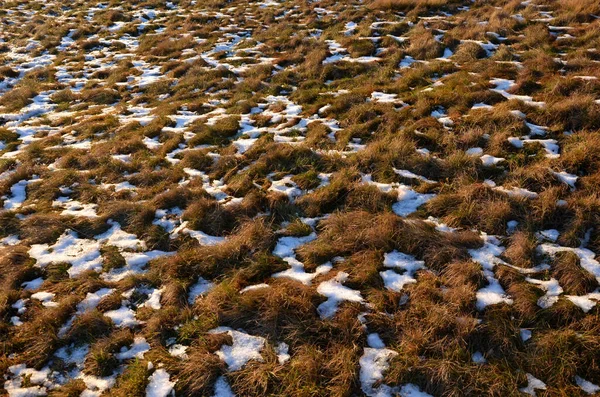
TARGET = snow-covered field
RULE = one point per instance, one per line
(300, 198)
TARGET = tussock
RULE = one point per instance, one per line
(289, 198)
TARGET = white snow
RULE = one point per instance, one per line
(90, 302)
(20, 305)
(92, 299)
(410, 390)
(585, 302)
(383, 97)
(566, 178)
(550, 145)
(137, 349)
(120, 238)
(396, 259)
(222, 388)
(297, 272)
(475, 152)
(45, 298)
(33, 284)
(201, 287)
(439, 113)
(96, 385)
(38, 380)
(282, 351)
(487, 256)
(525, 334)
(409, 264)
(586, 257)
(549, 234)
(478, 358)
(533, 384)
(374, 341)
(159, 385)
(18, 194)
(412, 175)
(203, 238)
(394, 281)
(336, 293)
(503, 85)
(409, 200)
(286, 186)
(178, 350)
(82, 254)
(286, 245)
(73, 355)
(552, 288)
(373, 364)
(586, 386)
(285, 249)
(154, 299)
(489, 161)
(245, 347)
(10, 240)
(517, 192)
(75, 208)
(254, 287)
(350, 28)
(135, 263)
(122, 317)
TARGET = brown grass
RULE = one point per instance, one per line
(433, 324)
(409, 4)
(571, 276)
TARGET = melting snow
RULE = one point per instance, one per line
(503, 85)
(254, 287)
(38, 380)
(336, 293)
(487, 256)
(408, 199)
(135, 262)
(373, 364)
(552, 288)
(586, 386)
(586, 257)
(244, 348)
(409, 264)
(585, 302)
(75, 208)
(82, 254)
(120, 239)
(33, 284)
(122, 317)
(282, 351)
(525, 334)
(566, 178)
(159, 385)
(45, 298)
(137, 349)
(200, 288)
(222, 388)
(18, 194)
(533, 384)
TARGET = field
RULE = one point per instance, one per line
(300, 198)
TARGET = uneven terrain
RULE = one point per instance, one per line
(300, 198)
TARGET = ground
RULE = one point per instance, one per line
(300, 198)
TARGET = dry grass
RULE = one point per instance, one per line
(574, 279)
(161, 113)
(410, 4)
(17, 98)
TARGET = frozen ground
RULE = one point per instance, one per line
(300, 198)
